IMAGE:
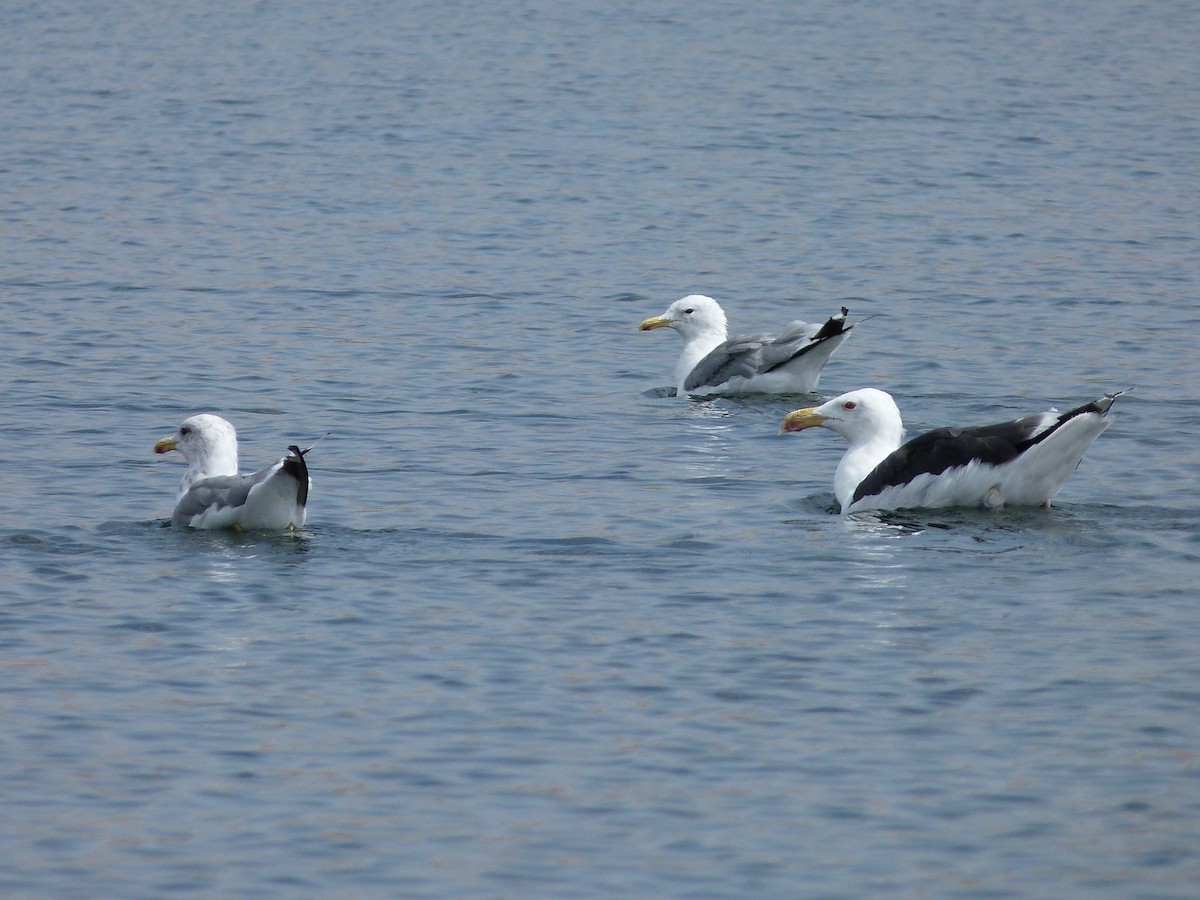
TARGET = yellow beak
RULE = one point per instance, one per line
(654, 322)
(801, 419)
(166, 445)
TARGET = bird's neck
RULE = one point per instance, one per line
(858, 462)
(695, 349)
(218, 461)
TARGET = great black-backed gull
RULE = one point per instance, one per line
(788, 363)
(1023, 462)
(213, 495)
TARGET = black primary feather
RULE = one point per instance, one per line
(295, 466)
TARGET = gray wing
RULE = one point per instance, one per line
(740, 356)
(750, 356)
(220, 491)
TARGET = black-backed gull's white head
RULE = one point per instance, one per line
(864, 416)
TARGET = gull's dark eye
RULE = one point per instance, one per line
(185, 430)
(849, 404)
(688, 312)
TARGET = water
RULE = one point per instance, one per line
(549, 632)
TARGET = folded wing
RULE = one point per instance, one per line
(271, 498)
(758, 355)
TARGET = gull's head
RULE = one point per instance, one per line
(692, 316)
(201, 439)
(860, 416)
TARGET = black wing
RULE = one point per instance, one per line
(949, 448)
(750, 356)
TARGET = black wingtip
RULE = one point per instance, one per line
(833, 326)
(1104, 404)
(1100, 407)
(295, 449)
(295, 466)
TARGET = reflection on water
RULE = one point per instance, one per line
(237, 646)
(875, 556)
(978, 523)
(226, 554)
(703, 434)
(223, 570)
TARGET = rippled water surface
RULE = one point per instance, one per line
(550, 631)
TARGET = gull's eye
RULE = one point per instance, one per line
(185, 430)
(689, 311)
(849, 404)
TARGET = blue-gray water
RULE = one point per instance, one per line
(548, 632)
